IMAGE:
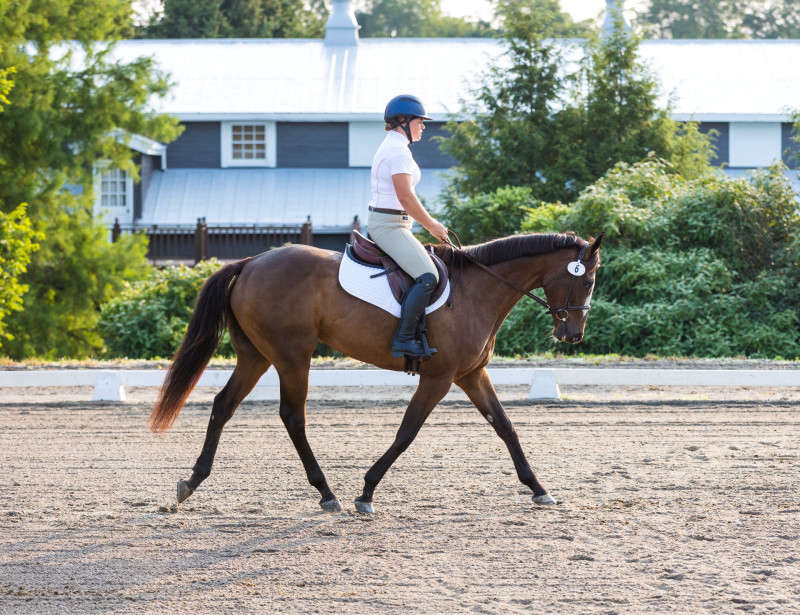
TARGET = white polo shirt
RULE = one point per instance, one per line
(392, 158)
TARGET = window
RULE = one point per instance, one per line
(113, 194)
(114, 189)
(248, 144)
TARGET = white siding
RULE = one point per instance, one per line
(364, 139)
(754, 144)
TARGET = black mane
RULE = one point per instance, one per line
(509, 248)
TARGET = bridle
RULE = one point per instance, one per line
(561, 314)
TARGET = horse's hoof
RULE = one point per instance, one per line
(544, 500)
(364, 507)
(184, 490)
(331, 505)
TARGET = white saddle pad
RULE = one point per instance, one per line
(355, 279)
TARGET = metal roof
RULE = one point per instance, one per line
(305, 79)
(332, 197)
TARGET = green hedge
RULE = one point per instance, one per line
(149, 318)
(706, 268)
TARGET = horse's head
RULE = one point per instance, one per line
(569, 288)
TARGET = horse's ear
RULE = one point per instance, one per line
(596, 243)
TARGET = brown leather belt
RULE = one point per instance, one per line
(382, 210)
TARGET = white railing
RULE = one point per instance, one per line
(109, 385)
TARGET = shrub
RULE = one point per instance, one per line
(706, 267)
(148, 319)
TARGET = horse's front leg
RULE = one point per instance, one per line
(429, 393)
(479, 389)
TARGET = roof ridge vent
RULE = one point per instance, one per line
(342, 27)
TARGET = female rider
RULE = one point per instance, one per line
(394, 176)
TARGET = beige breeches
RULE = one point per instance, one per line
(393, 235)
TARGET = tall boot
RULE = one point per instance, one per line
(405, 340)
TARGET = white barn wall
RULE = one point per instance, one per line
(754, 144)
(364, 138)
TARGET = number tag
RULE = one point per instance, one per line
(576, 268)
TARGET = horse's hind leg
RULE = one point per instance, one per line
(250, 366)
(479, 389)
(294, 390)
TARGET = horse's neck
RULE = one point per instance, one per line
(494, 299)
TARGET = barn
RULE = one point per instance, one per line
(279, 133)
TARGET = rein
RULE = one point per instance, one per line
(560, 313)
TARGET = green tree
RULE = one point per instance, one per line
(515, 15)
(690, 19)
(5, 83)
(620, 116)
(70, 93)
(710, 19)
(772, 19)
(17, 243)
(415, 18)
(235, 19)
(535, 124)
(516, 119)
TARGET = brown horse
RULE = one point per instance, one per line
(277, 305)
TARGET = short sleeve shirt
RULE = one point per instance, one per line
(392, 158)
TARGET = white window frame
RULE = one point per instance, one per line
(226, 136)
(122, 212)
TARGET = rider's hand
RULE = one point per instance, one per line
(439, 230)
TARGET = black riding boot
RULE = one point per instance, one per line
(405, 341)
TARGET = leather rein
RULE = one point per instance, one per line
(561, 313)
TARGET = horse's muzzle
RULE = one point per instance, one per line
(568, 337)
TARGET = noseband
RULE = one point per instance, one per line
(561, 314)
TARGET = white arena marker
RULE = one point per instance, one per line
(544, 385)
(108, 387)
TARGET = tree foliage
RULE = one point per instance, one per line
(235, 19)
(556, 130)
(17, 243)
(713, 19)
(69, 94)
(148, 319)
(702, 267)
(517, 117)
(415, 18)
(5, 83)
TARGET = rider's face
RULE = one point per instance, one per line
(417, 128)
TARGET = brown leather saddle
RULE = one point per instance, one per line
(366, 252)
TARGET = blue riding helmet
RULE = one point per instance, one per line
(405, 104)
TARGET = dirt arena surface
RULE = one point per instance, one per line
(670, 499)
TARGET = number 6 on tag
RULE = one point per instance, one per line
(576, 268)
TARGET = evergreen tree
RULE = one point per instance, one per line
(621, 119)
(537, 125)
(69, 94)
(512, 136)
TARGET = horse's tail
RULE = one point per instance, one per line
(198, 345)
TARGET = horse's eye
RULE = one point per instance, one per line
(588, 282)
